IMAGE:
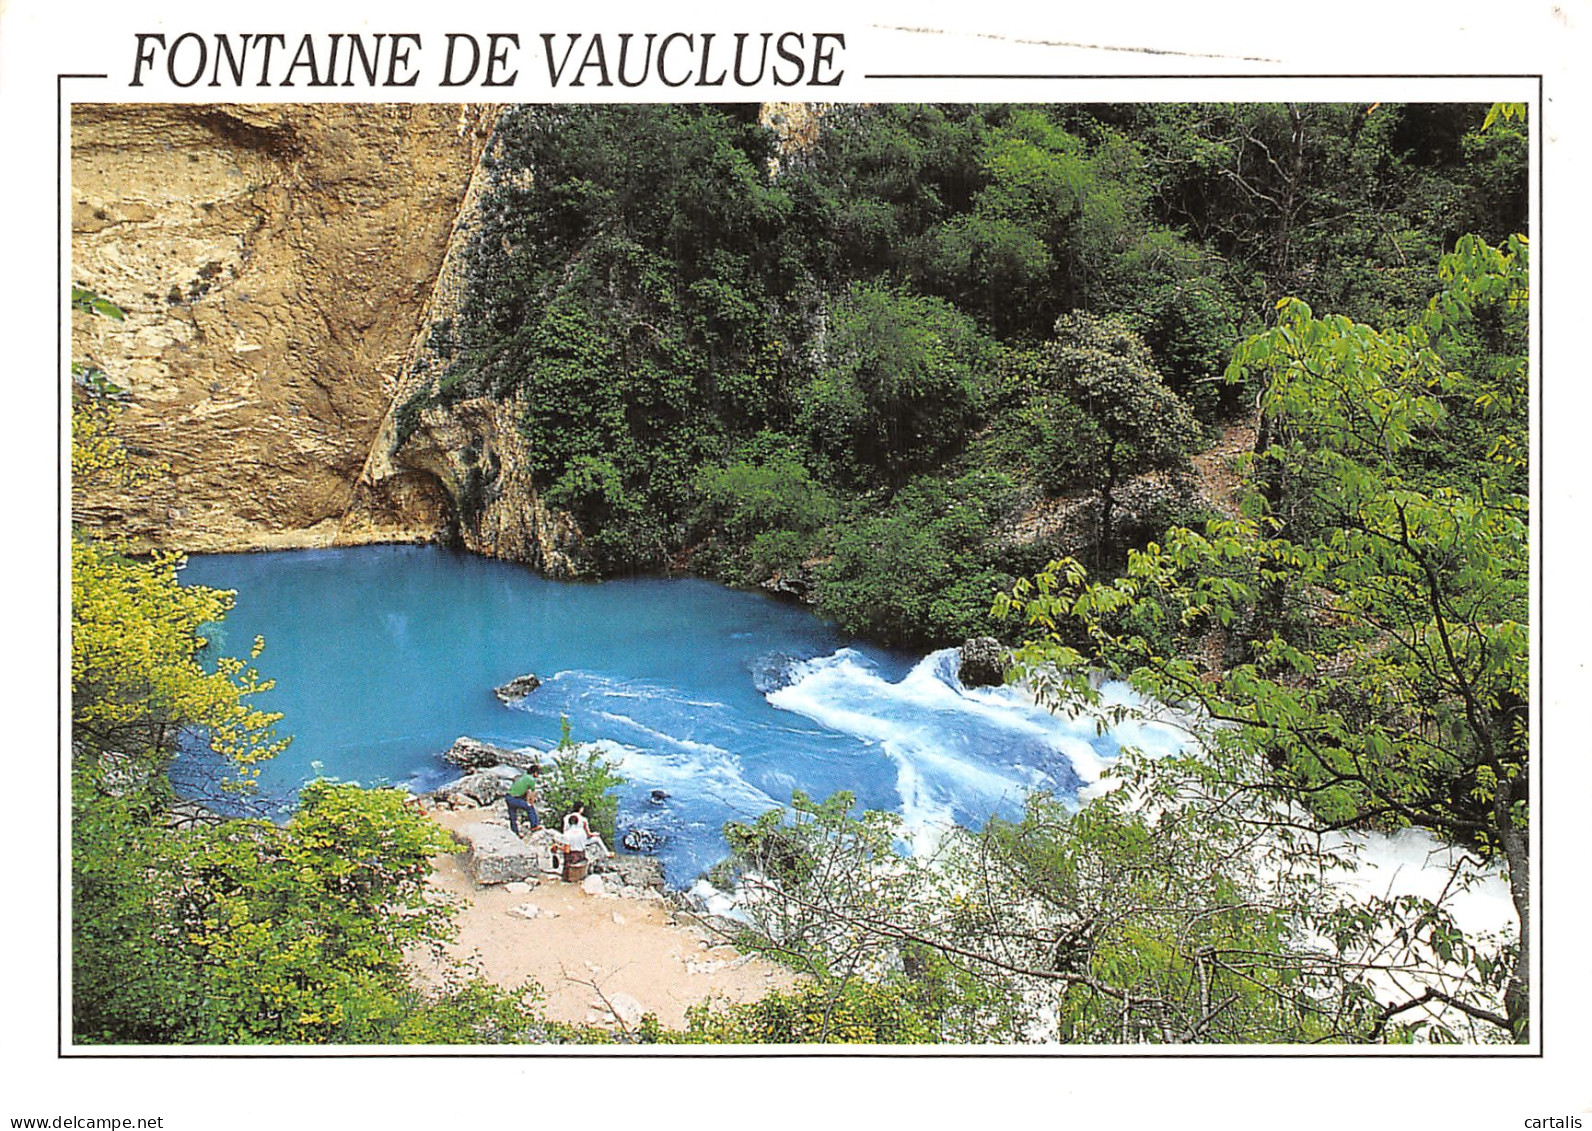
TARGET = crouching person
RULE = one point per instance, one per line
(522, 798)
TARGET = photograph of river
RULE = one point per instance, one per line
(923, 574)
(900, 564)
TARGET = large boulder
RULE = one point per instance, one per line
(983, 662)
(484, 788)
(494, 855)
(645, 872)
(517, 688)
(472, 754)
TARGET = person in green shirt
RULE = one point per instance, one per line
(523, 797)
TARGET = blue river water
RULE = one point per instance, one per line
(725, 700)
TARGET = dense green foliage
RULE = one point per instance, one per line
(1349, 653)
(1346, 207)
(1121, 923)
(1371, 614)
(575, 774)
(913, 573)
(683, 314)
(234, 931)
(896, 387)
(761, 515)
(857, 1013)
(246, 932)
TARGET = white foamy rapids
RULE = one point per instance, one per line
(1414, 862)
(578, 685)
(691, 769)
(727, 905)
(955, 750)
(1157, 731)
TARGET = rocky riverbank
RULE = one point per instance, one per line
(603, 952)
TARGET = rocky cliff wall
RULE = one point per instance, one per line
(471, 450)
(281, 268)
(474, 449)
(275, 263)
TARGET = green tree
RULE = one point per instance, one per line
(1127, 420)
(228, 931)
(137, 682)
(854, 1013)
(922, 569)
(831, 895)
(581, 774)
(897, 389)
(1346, 206)
(875, 180)
(244, 932)
(1175, 909)
(1385, 612)
(770, 512)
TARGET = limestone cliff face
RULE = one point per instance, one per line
(274, 263)
(281, 268)
(475, 449)
(472, 450)
(795, 125)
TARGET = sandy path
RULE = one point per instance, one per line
(627, 950)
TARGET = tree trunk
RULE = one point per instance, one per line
(1107, 504)
(1517, 994)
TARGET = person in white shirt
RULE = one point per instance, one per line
(578, 837)
(574, 844)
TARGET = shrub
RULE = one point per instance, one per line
(770, 512)
(581, 774)
(859, 1013)
(406, 421)
(897, 386)
(921, 571)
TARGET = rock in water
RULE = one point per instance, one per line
(642, 840)
(472, 754)
(983, 662)
(517, 688)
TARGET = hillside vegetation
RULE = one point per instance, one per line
(851, 367)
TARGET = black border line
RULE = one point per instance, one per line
(1536, 532)
(1040, 75)
(62, 329)
(597, 1052)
